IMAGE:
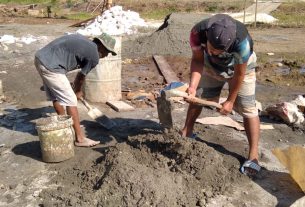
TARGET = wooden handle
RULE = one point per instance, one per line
(85, 103)
(204, 102)
(194, 99)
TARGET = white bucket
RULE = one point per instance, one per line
(103, 83)
(56, 137)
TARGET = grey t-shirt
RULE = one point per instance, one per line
(69, 53)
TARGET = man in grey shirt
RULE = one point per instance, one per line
(65, 54)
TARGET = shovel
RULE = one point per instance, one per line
(165, 108)
(98, 116)
(194, 100)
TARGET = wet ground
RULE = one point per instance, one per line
(139, 163)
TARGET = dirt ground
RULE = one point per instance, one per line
(139, 163)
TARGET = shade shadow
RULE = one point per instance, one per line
(279, 184)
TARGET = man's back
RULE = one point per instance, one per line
(68, 53)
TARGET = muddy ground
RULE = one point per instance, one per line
(139, 163)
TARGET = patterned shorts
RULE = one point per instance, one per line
(56, 85)
(212, 83)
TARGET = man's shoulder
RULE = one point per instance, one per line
(241, 30)
(201, 26)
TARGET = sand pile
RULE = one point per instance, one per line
(172, 38)
(146, 170)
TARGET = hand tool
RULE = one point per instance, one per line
(98, 116)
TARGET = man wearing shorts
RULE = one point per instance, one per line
(65, 54)
(223, 52)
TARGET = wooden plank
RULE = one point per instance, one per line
(165, 69)
(120, 106)
(79, 24)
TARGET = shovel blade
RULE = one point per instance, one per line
(102, 119)
(95, 113)
(105, 122)
(165, 112)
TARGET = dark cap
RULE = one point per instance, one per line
(221, 31)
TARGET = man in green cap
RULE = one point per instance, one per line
(63, 55)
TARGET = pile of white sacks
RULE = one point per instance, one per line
(114, 21)
(289, 112)
(27, 39)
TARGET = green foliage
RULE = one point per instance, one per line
(79, 16)
(69, 3)
(53, 2)
(212, 8)
(24, 1)
(158, 13)
(291, 14)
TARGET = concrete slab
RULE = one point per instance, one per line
(120, 106)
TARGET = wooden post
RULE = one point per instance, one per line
(49, 11)
(109, 4)
(101, 2)
(244, 20)
(255, 13)
(88, 5)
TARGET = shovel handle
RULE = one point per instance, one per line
(195, 99)
(85, 103)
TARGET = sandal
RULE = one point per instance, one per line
(251, 165)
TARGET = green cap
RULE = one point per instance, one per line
(107, 41)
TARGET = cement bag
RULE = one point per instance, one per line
(288, 112)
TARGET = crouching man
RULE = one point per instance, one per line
(65, 54)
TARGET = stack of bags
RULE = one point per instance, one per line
(114, 21)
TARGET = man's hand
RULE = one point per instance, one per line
(79, 95)
(77, 85)
(191, 91)
(227, 107)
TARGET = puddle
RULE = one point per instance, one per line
(302, 70)
(282, 71)
(273, 38)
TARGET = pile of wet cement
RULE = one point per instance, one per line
(172, 38)
(146, 170)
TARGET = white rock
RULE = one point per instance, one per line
(8, 39)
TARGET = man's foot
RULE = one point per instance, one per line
(86, 142)
(250, 167)
(192, 135)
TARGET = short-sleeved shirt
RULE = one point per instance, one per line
(68, 53)
(238, 53)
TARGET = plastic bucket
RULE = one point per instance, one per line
(56, 137)
(103, 83)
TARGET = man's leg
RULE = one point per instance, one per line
(73, 112)
(245, 105)
(81, 140)
(60, 110)
(252, 127)
(59, 90)
(192, 114)
(211, 89)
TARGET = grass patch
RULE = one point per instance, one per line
(159, 9)
(291, 14)
(158, 13)
(79, 16)
(24, 2)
